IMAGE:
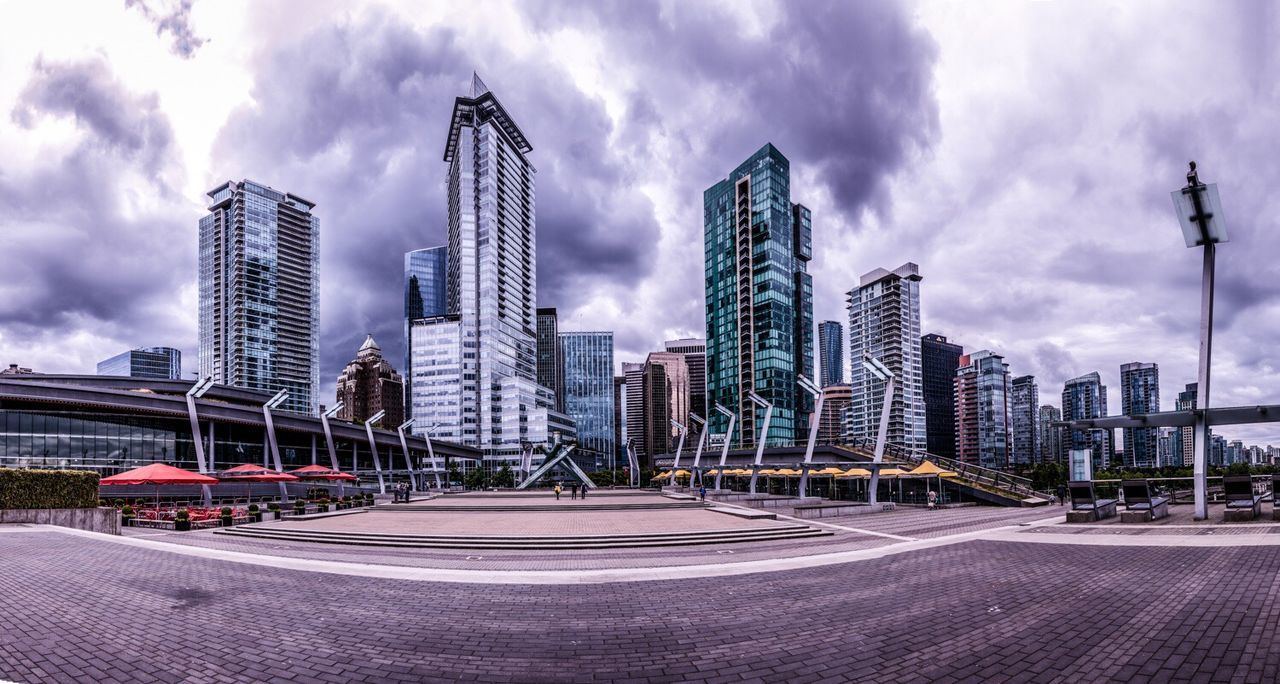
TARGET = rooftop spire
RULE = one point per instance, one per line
(478, 87)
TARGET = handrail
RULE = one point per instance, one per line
(982, 475)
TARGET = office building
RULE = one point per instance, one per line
(490, 289)
(260, 293)
(1083, 398)
(633, 375)
(1168, 447)
(1140, 394)
(1187, 402)
(982, 391)
(369, 384)
(156, 363)
(695, 357)
(835, 401)
(1024, 409)
(830, 353)
(884, 323)
(588, 393)
(939, 361)
(759, 299)
(425, 284)
(1050, 439)
(620, 421)
(550, 361)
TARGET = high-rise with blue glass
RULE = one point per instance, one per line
(759, 299)
(587, 360)
(259, 292)
(1139, 394)
(159, 363)
(831, 353)
(425, 287)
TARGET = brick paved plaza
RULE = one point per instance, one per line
(954, 595)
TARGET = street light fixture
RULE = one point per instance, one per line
(1200, 217)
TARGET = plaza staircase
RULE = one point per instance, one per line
(985, 484)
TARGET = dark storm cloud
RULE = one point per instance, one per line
(173, 18)
(354, 117)
(80, 250)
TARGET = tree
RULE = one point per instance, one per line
(476, 478)
(504, 477)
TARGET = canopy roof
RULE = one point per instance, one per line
(250, 472)
(158, 474)
(319, 472)
(856, 472)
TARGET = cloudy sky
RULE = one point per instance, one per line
(1021, 153)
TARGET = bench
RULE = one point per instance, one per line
(1275, 509)
(1243, 504)
(1085, 504)
(1139, 505)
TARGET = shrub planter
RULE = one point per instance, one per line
(126, 516)
(255, 513)
(226, 516)
(274, 510)
(182, 522)
(299, 507)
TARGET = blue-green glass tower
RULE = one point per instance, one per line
(759, 300)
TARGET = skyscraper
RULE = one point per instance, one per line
(425, 284)
(1139, 394)
(939, 361)
(161, 363)
(1187, 402)
(695, 357)
(669, 397)
(1083, 398)
(368, 384)
(759, 299)
(831, 353)
(620, 421)
(1050, 434)
(633, 374)
(884, 323)
(259, 292)
(490, 288)
(835, 400)
(588, 392)
(982, 410)
(550, 359)
(1024, 408)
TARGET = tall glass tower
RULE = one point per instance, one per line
(1139, 394)
(425, 283)
(259, 292)
(160, 363)
(1083, 398)
(982, 410)
(831, 353)
(490, 287)
(759, 299)
(1024, 407)
(588, 392)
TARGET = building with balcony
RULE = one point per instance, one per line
(983, 435)
(1140, 394)
(1024, 410)
(830, 353)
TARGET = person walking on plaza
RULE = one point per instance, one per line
(1062, 494)
(933, 499)
(557, 488)
(584, 491)
(573, 491)
(702, 492)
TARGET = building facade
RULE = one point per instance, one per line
(157, 363)
(620, 421)
(1024, 409)
(1186, 435)
(1050, 440)
(550, 360)
(1140, 394)
(425, 283)
(939, 361)
(830, 353)
(759, 299)
(259, 292)
(588, 393)
(835, 401)
(490, 287)
(369, 384)
(695, 357)
(633, 376)
(983, 421)
(884, 324)
(1083, 398)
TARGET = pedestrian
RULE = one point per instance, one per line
(702, 492)
(573, 489)
(1062, 494)
(933, 499)
(584, 491)
(557, 491)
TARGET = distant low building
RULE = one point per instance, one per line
(15, 369)
(156, 363)
(368, 385)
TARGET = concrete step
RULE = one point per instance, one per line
(674, 505)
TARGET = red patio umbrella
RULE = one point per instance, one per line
(158, 474)
(255, 473)
(319, 472)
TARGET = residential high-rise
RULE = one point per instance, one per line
(695, 357)
(1187, 402)
(259, 292)
(1083, 398)
(884, 323)
(759, 299)
(1140, 394)
(425, 284)
(367, 385)
(939, 361)
(160, 363)
(620, 421)
(835, 400)
(655, 422)
(982, 410)
(676, 391)
(491, 286)
(588, 392)
(1024, 408)
(1050, 435)
(831, 353)
(1169, 448)
(550, 359)
(633, 374)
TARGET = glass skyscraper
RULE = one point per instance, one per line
(425, 283)
(259, 292)
(588, 392)
(759, 299)
(939, 360)
(982, 410)
(1139, 394)
(550, 361)
(831, 353)
(158, 363)
(1083, 398)
(1024, 408)
(884, 323)
(490, 287)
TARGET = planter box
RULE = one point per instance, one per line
(105, 520)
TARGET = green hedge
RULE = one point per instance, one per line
(23, 488)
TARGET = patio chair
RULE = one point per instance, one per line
(1242, 503)
(1085, 504)
(1140, 506)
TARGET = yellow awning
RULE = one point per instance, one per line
(926, 468)
(662, 476)
(827, 471)
(892, 472)
(855, 472)
(768, 471)
(948, 473)
(788, 472)
(682, 473)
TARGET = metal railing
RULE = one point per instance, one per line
(990, 477)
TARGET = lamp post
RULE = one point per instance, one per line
(702, 441)
(675, 465)
(764, 433)
(807, 385)
(728, 437)
(1200, 217)
(408, 462)
(373, 447)
(880, 372)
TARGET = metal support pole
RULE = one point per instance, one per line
(1200, 459)
(728, 437)
(198, 390)
(408, 462)
(813, 433)
(271, 438)
(881, 437)
(764, 437)
(702, 441)
(373, 447)
(675, 465)
(328, 434)
(431, 454)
